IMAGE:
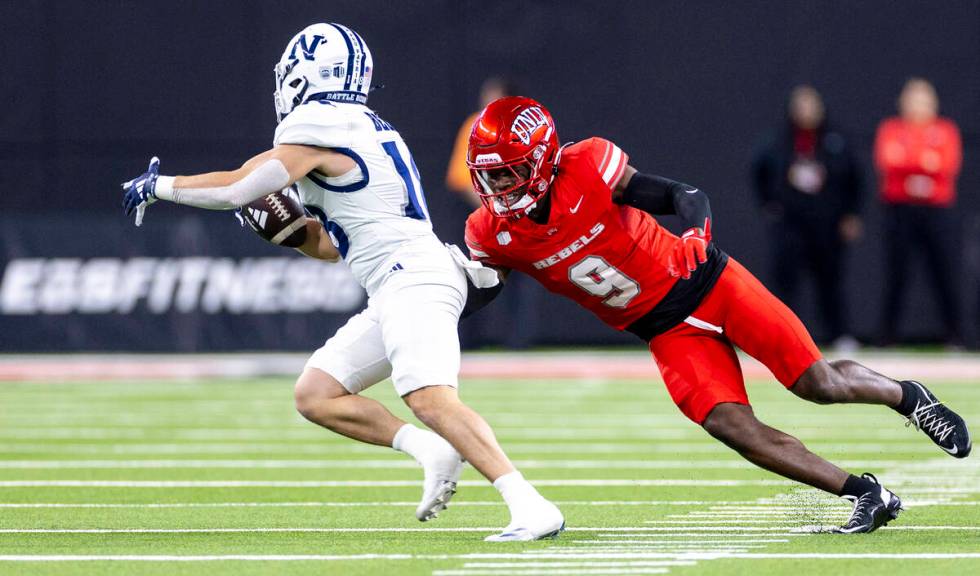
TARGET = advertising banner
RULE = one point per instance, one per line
(195, 283)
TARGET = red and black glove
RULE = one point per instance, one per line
(691, 251)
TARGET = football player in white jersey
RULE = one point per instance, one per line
(354, 173)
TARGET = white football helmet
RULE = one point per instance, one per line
(323, 62)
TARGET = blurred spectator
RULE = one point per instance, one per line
(809, 185)
(918, 156)
(457, 174)
(519, 303)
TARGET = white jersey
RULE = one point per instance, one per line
(378, 208)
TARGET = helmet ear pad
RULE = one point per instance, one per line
(301, 85)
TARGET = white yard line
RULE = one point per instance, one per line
(697, 542)
(579, 565)
(650, 464)
(326, 447)
(697, 529)
(549, 572)
(207, 558)
(365, 483)
(563, 557)
(598, 555)
(456, 503)
(739, 521)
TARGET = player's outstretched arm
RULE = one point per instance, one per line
(261, 175)
(318, 243)
(658, 195)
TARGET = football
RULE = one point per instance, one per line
(278, 218)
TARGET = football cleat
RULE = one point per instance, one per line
(943, 426)
(435, 499)
(524, 535)
(872, 510)
(442, 465)
(547, 522)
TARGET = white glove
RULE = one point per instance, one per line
(480, 276)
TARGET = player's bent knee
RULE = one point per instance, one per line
(733, 424)
(822, 383)
(813, 391)
(431, 402)
(314, 391)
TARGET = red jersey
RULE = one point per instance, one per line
(609, 258)
(918, 162)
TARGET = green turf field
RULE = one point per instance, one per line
(226, 475)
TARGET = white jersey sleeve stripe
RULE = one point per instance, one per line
(476, 252)
(614, 166)
(605, 156)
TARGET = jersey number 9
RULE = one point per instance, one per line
(597, 277)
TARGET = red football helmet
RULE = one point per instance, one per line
(512, 153)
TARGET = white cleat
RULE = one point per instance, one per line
(435, 500)
(548, 523)
(442, 465)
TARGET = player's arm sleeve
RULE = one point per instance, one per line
(658, 195)
(477, 298)
(265, 178)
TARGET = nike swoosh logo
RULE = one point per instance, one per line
(579, 203)
(691, 191)
(952, 452)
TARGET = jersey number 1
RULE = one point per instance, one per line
(415, 206)
(597, 277)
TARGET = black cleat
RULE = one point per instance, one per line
(939, 423)
(872, 510)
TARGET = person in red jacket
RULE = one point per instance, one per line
(579, 219)
(918, 156)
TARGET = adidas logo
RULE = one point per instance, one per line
(258, 216)
(398, 266)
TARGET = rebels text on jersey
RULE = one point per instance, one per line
(611, 259)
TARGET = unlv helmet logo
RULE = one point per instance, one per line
(529, 120)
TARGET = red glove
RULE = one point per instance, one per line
(690, 251)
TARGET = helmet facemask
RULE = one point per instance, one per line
(289, 92)
(511, 189)
(512, 154)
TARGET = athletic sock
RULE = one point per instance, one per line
(515, 490)
(410, 440)
(910, 398)
(855, 486)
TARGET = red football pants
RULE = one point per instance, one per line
(697, 357)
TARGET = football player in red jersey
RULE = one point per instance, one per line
(580, 220)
